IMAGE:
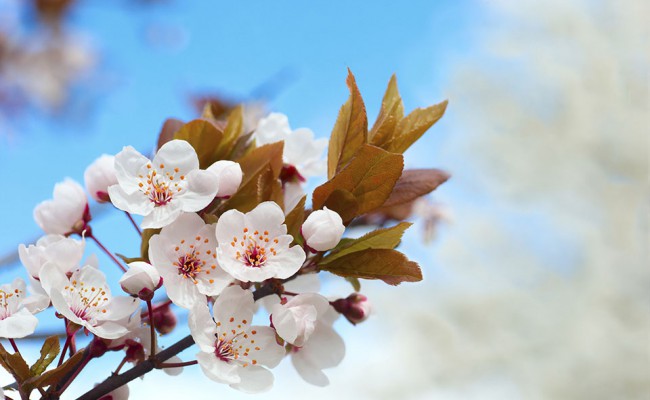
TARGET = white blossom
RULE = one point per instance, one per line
(296, 320)
(230, 176)
(163, 188)
(65, 252)
(184, 253)
(255, 246)
(324, 349)
(16, 320)
(233, 351)
(85, 299)
(323, 229)
(301, 150)
(99, 176)
(66, 212)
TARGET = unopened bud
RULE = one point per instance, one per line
(134, 351)
(141, 280)
(99, 176)
(323, 229)
(164, 319)
(230, 176)
(355, 308)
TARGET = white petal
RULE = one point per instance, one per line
(120, 307)
(162, 215)
(135, 203)
(174, 371)
(202, 327)
(267, 216)
(236, 303)
(218, 370)
(254, 379)
(108, 330)
(286, 262)
(177, 154)
(18, 325)
(202, 187)
(128, 164)
(307, 371)
(231, 223)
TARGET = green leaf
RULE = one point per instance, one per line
(49, 351)
(356, 285)
(386, 238)
(391, 112)
(369, 178)
(55, 375)
(390, 266)
(350, 131)
(413, 126)
(204, 138)
(415, 183)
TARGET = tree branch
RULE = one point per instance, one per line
(146, 366)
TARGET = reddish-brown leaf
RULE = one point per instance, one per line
(350, 131)
(415, 183)
(369, 178)
(391, 112)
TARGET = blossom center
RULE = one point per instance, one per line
(253, 251)
(189, 265)
(8, 302)
(160, 186)
(86, 301)
(225, 351)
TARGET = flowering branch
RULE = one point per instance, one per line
(224, 222)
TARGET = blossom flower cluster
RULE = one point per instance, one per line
(226, 236)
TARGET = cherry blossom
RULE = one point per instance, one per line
(161, 189)
(301, 150)
(324, 349)
(323, 229)
(233, 351)
(16, 320)
(184, 253)
(255, 246)
(141, 280)
(67, 212)
(65, 252)
(295, 320)
(85, 299)
(99, 176)
(230, 176)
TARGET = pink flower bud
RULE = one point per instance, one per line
(141, 280)
(230, 176)
(323, 229)
(356, 307)
(164, 319)
(99, 176)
